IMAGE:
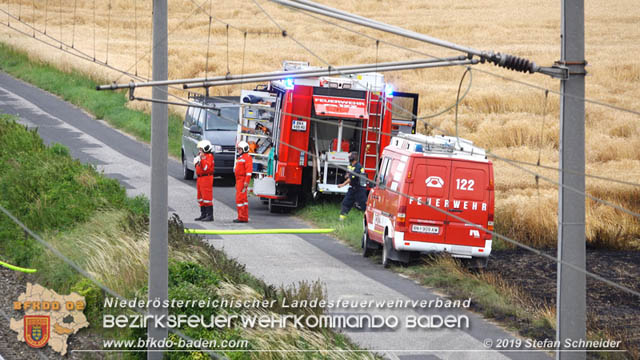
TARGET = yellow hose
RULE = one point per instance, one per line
(17, 268)
(256, 231)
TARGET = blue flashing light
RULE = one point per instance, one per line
(388, 91)
(419, 148)
(288, 84)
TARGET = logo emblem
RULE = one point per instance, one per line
(36, 330)
(434, 182)
(474, 233)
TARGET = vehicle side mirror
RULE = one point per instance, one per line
(195, 129)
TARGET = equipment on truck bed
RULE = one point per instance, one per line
(353, 111)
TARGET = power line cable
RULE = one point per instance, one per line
(108, 32)
(244, 51)
(456, 105)
(59, 19)
(94, 30)
(34, 17)
(422, 117)
(135, 16)
(602, 201)
(82, 55)
(577, 191)
(73, 37)
(493, 233)
(231, 25)
(152, 45)
(46, 12)
(77, 53)
(228, 69)
(468, 70)
(206, 66)
(593, 101)
(504, 159)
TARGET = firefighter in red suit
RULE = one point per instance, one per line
(244, 167)
(204, 169)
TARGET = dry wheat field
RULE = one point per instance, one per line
(509, 119)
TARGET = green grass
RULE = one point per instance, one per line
(88, 217)
(47, 189)
(325, 214)
(492, 301)
(80, 90)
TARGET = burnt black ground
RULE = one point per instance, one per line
(609, 309)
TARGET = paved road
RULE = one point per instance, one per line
(278, 259)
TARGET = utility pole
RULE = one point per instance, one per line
(571, 297)
(158, 227)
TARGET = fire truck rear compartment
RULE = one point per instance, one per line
(325, 140)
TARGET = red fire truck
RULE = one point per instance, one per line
(294, 155)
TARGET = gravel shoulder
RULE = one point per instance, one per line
(12, 284)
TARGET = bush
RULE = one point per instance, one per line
(94, 298)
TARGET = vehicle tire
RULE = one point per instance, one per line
(385, 252)
(186, 173)
(366, 251)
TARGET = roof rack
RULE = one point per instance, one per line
(438, 144)
(204, 99)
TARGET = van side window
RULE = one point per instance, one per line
(188, 119)
(202, 118)
(395, 172)
(196, 115)
(383, 170)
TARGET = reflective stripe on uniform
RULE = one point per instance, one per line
(246, 203)
(240, 205)
(207, 201)
(240, 160)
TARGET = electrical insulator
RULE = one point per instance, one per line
(513, 63)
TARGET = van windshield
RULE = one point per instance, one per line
(224, 119)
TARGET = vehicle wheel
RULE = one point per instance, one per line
(186, 173)
(366, 251)
(385, 252)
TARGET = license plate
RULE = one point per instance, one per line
(299, 125)
(425, 229)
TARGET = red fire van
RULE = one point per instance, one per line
(447, 185)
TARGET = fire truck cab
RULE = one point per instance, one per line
(449, 183)
(301, 131)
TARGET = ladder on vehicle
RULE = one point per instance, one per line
(376, 106)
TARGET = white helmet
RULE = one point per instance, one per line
(242, 145)
(205, 145)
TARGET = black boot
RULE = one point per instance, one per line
(203, 214)
(208, 212)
